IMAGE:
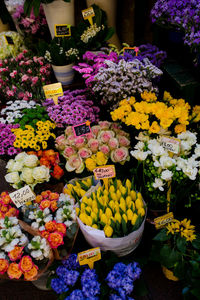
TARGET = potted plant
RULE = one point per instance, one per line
(176, 247)
(56, 11)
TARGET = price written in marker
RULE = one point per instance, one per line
(89, 257)
(131, 50)
(9, 40)
(104, 172)
(53, 91)
(88, 14)
(62, 30)
(171, 144)
(82, 129)
(22, 196)
(160, 222)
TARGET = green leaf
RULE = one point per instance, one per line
(140, 288)
(124, 227)
(181, 244)
(196, 242)
(196, 292)
(161, 236)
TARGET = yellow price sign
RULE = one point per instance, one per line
(53, 91)
(160, 222)
(62, 30)
(88, 14)
(88, 257)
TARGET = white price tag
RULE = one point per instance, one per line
(21, 196)
(171, 144)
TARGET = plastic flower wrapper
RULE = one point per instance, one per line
(106, 141)
(162, 170)
(25, 169)
(166, 116)
(7, 140)
(117, 211)
(7, 208)
(74, 107)
(10, 50)
(15, 109)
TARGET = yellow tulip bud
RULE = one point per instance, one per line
(105, 192)
(114, 196)
(125, 218)
(82, 206)
(112, 189)
(128, 183)
(83, 217)
(141, 212)
(88, 221)
(134, 219)
(133, 195)
(118, 193)
(128, 201)
(89, 181)
(100, 213)
(122, 205)
(119, 183)
(108, 231)
(123, 190)
(77, 211)
(70, 186)
(95, 210)
(104, 219)
(95, 226)
(88, 209)
(112, 205)
(94, 204)
(93, 216)
(132, 206)
(139, 195)
(129, 214)
(85, 199)
(89, 202)
(118, 217)
(116, 207)
(139, 203)
(108, 212)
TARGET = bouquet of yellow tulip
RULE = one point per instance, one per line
(77, 188)
(118, 210)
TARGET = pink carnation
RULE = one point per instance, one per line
(104, 124)
(25, 77)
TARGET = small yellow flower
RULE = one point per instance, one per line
(118, 217)
(108, 212)
(128, 183)
(95, 226)
(134, 219)
(77, 211)
(108, 231)
(112, 189)
(139, 203)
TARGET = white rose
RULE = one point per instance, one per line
(27, 175)
(139, 155)
(166, 175)
(41, 174)
(31, 161)
(12, 177)
(21, 156)
(167, 162)
(158, 184)
(17, 166)
(181, 163)
(10, 164)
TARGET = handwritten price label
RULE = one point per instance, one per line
(171, 144)
(104, 172)
(82, 129)
(53, 91)
(131, 50)
(89, 257)
(62, 30)
(88, 14)
(163, 220)
(21, 196)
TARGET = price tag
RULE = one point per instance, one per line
(89, 257)
(9, 40)
(53, 91)
(171, 144)
(104, 172)
(22, 196)
(131, 50)
(62, 30)
(160, 222)
(82, 129)
(88, 14)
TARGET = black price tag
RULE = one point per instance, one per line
(82, 129)
(62, 30)
(9, 40)
(131, 50)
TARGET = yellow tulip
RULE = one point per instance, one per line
(77, 211)
(108, 231)
(119, 183)
(122, 205)
(118, 217)
(94, 204)
(70, 186)
(95, 210)
(133, 195)
(118, 194)
(83, 217)
(125, 218)
(141, 211)
(93, 216)
(89, 201)
(89, 181)
(104, 219)
(108, 212)
(128, 201)
(139, 195)
(112, 189)
(114, 196)
(95, 226)
(139, 203)
(112, 205)
(105, 192)
(85, 200)
(116, 207)
(123, 190)
(134, 219)
(128, 184)
(82, 206)
(100, 213)
(132, 206)
(88, 209)
(88, 221)
(78, 185)
(129, 214)
(67, 191)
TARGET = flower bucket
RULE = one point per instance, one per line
(59, 12)
(169, 274)
(64, 74)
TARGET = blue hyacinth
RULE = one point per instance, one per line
(70, 277)
(91, 288)
(76, 295)
(71, 263)
(88, 275)
(58, 285)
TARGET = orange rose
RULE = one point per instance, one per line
(46, 194)
(4, 209)
(32, 153)
(6, 199)
(26, 263)
(38, 199)
(4, 194)
(44, 234)
(13, 212)
(57, 172)
(61, 227)
(45, 162)
(54, 205)
(39, 153)
(3, 265)
(14, 271)
(16, 253)
(55, 239)
(48, 153)
(54, 196)
(50, 226)
(30, 275)
(44, 204)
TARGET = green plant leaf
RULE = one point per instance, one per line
(196, 242)
(124, 227)
(181, 244)
(161, 236)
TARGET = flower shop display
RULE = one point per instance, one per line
(106, 141)
(26, 169)
(111, 218)
(167, 116)
(8, 50)
(73, 107)
(7, 140)
(162, 171)
(14, 110)
(176, 248)
(22, 254)
(34, 138)
(7, 208)
(23, 76)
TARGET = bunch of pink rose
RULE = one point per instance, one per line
(23, 76)
(105, 141)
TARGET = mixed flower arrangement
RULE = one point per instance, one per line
(23, 76)
(74, 107)
(106, 140)
(7, 140)
(117, 211)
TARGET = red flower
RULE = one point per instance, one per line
(57, 172)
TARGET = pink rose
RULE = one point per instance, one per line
(70, 140)
(105, 136)
(120, 155)
(29, 71)
(105, 149)
(68, 131)
(25, 78)
(61, 142)
(75, 163)
(13, 74)
(104, 124)
(123, 133)
(115, 127)
(79, 142)
(69, 151)
(123, 141)
(95, 129)
(113, 143)
(84, 153)
(89, 136)
(20, 95)
(35, 80)
(93, 145)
